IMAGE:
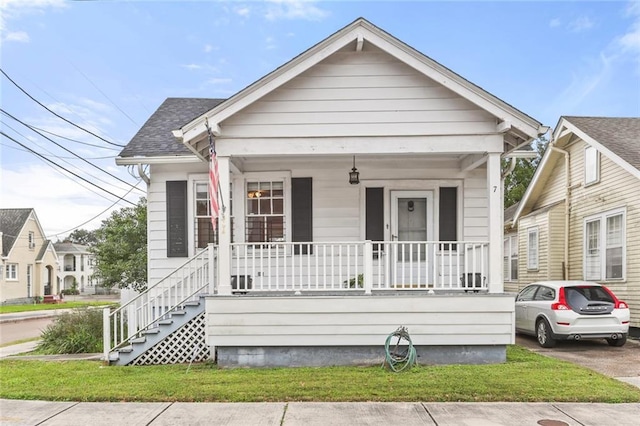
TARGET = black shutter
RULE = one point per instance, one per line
(374, 215)
(448, 215)
(302, 213)
(177, 219)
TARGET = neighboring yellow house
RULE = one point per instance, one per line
(29, 261)
(585, 224)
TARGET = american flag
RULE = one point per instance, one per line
(214, 178)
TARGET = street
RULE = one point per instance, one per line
(20, 330)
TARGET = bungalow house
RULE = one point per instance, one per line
(580, 217)
(29, 265)
(359, 190)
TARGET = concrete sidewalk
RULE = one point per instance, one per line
(14, 412)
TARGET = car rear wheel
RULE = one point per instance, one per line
(617, 342)
(543, 334)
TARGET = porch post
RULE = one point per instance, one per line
(494, 188)
(368, 266)
(224, 230)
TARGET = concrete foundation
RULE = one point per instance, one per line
(322, 356)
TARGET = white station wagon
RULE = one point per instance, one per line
(571, 310)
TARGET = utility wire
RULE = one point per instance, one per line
(68, 150)
(96, 216)
(55, 113)
(104, 94)
(53, 155)
(57, 165)
(72, 140)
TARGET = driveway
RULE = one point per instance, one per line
(622, 363)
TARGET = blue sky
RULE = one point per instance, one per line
(108, 65)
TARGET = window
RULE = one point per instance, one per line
(29, 280)
(11, 272)
(510, 259)
(32, 240)
(204, 232)
(591, 165)
(604, 246)
(545, 293)
(532, 248)
(264, 221)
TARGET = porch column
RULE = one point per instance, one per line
(224, 230)
(494, 188)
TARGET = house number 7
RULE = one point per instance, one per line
(495, 188)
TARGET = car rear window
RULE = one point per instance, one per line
(590, 293)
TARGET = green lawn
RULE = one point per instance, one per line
(8, 309)
(524, 377)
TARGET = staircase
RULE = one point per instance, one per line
(165, 323)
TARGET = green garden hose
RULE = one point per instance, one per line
(403, 354)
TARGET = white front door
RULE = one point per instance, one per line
(411, 228)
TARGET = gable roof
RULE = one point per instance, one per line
(68, 247)
(47, 245)
(618, 138)
(521, 127)
(155, 138)
(11, 223)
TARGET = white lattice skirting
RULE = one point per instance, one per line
(187, 344)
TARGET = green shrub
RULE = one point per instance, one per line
(79, 331)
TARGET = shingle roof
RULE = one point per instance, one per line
(509, 212)
(43, 250)
(11, 223)
(155, 138)
(620, 135)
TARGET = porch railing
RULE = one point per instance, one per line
(345, 266)
(196, 276)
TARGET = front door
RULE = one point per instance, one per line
(411, 228)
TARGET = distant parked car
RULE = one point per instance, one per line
(571, 310)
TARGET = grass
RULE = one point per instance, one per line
(525, 377)
(10, 309)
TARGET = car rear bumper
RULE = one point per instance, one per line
(588, 336)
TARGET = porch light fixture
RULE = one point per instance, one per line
(354, 174)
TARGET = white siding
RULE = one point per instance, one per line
(359, 320)
(366, 93)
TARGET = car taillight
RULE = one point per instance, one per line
(618, 303)
(561, 305)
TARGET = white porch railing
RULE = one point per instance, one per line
(196, 276)
(345, 266)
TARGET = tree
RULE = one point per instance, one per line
(121, 248)
(82, 236)
(516, 183)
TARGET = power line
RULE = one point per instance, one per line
(55, 156)
(55, 113)
(63, 168)
(68, 150)
(104, 94)
(96, 216)
(72, 140)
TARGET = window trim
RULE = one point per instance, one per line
(602, 246)
(596, 165)
(12, 268)
(32, 240)
(531, 266)
(511, 241)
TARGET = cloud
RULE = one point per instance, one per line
(270, 43)
(243, 11)
(209, 48)
(14, 9)
(217, 81)
(629, 42)
(294, 9)
(581, 23)
(200, 67)
(555, 22)
(19, 36)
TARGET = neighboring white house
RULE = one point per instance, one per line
(584, 224)
(306, 267)
(76, 267)
(29, 263)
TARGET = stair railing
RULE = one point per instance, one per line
(194, 277)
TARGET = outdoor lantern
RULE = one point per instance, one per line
(354, 174)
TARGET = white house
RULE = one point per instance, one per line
(307, 267)
(76, 267)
